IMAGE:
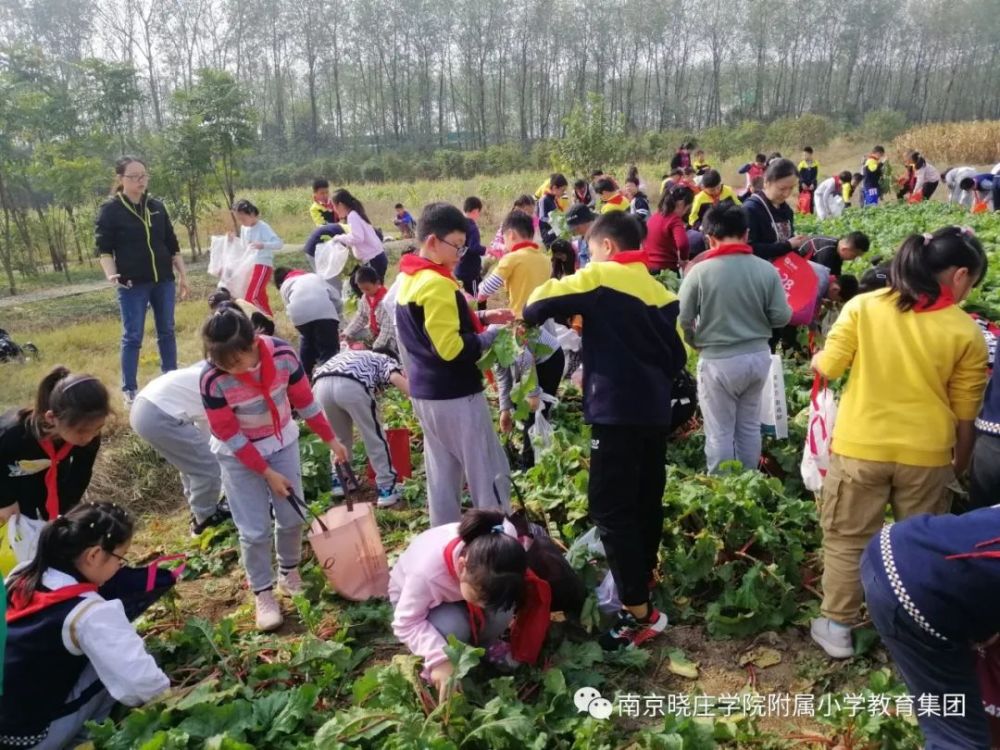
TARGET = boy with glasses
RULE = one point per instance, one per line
(441, 340)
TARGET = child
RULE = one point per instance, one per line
(930, 584)
(983, 189)
(808, 177)
(170, 416)
(832, 195)
(257, 236)
(713, 193)
(752, 170)
(832, 252)
(311, 305)
(361, 236)
(682, 158)
(579, 220)
(631, 353)
(262, 323)
(373, 322)
(984, 479)
(926, 177)
(638, 202)
(671, 180)
(953, 179)
(551, 201)
(346, 387)
(730, 301)
(583, 194)
(563, 258)
(71, 653)
(885, 450)
(47, 452)
(404, 221)
(872, 171)
(698, 164)
(468, 580)
(441, 340)
(324, 217)
(249, 387)
(524, 204)
(611, 198)
(470, 266)
(523, 269)
(666, 242)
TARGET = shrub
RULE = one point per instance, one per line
(795, 132)
(883, 125)
(373, 171)
(593, 137)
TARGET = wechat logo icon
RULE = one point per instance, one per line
(589, 700)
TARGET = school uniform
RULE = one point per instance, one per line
(521, 271)
(441, 341)
(871, 173)
(631, 353)
(953, 179)
(831, 197)
(469, 270)
(546, 206)
(616, 202)
(930, 584)
(984, 480)
(250, 416)
(639, 207)
(170, 416)
(752, 171)
(823, 250)
(89, 654)
(346, 387)
(44, 480)
(703, 202)
(885, 451)
(256, 291)
(311, 306)
(374, 322)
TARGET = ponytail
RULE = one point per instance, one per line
(73, 399)
(495, 563)
(674, 196)
(921, 258)
(64, 539)
(226, 333)
(344, 196)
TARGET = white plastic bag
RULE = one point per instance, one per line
(836, 206)
(773, 407)
(22, 536)
(607, 592)
(569, 340)
(819, 435)
(331, 257)
(232, 263)
(541, 432)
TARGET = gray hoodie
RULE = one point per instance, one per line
(307, 298)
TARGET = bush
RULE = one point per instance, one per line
(373, 171)
(593, 137)
(883, 125)
(718, 142)
(796, 132)
(954, 142)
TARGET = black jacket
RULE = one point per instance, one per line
(140, 237)
(23, 465)
(765, 221)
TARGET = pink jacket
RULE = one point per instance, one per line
(420, 581)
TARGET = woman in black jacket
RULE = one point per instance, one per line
(771, 219)
(139, 254)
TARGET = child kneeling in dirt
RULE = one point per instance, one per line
(249, 387)
(71, 651)
(468, 579)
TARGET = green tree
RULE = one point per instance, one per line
(592, 136)
(183, 155)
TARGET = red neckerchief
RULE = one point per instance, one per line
(837, 184)
(21, 607)
(945, 299)
(522, 245)
(412, 263)
(263, 386)
(720, 251)
(52, 475)
(374, 301)
(582, 198)
(476, 614)
(615, 199)
(630, 256)
(293, 273)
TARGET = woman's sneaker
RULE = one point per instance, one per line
(388, 496)
(629, 631)
(832, 637)
(268, 611)
(290, 583)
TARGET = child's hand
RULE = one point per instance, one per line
(815, 362)
(506, 421)
(339, 451)
(534, 402)
(280, 484)
(500, 317)
(441, 676)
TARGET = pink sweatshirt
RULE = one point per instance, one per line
(420, 581)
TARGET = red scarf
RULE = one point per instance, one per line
(522, 245)
(616, 199)
(945, 299)
(531, 621)
(263, 386)
(52, 475)
(720, 251)
(630, 256)
(20, 607)
(293, 273)
(374, 301)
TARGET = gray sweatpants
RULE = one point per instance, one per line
(186, 448)
(348, 403)
(461, 446)
(250, 502)
(69, 731)
(452, 618)
(729, 393)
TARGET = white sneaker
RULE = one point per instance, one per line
(832, 637)
(268, 612)
(128, 398)
(388, 496)
(290, 583)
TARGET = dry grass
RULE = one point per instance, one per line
(954, 142)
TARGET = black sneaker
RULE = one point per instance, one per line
(216, 519)
(628, 631)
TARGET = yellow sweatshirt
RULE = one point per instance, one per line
(913, 377)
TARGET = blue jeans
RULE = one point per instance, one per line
(928, 665)
(133, 303)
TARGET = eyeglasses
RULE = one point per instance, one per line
(121, 560)
(136, 177)
(461, 249)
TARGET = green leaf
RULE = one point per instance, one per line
(297, 708)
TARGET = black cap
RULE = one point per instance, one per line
(580, 214)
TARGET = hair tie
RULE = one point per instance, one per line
(498, 529)
(927, 239)
(85, 379)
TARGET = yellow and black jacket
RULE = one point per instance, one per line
(703, 201)
(631, 349)
(808, 175)
(438, 332)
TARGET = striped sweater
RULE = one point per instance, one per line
(247, 424)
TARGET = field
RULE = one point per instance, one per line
(738, 578)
